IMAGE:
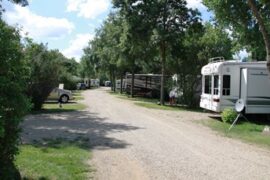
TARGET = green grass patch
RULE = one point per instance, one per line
(54, 160)
(53, 107)
(247, 131)
(166, 107)
(77, 94)
(156, 106)
(78, 98)
(128, 97)
(151, 103)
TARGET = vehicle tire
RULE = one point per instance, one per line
(64, 98)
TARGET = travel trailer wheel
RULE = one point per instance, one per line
(268, 117)
(64, 99)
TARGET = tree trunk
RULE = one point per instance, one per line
(121, 85)
(114, 84)
(163, 59)
(132, 83)
(256, 13)
(111, 78)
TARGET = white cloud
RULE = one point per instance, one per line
(76, 46)
(88, 8)
(195, 4)
(38, 26)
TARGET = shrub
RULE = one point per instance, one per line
(13, 102)
(68, 80)
(228, 115)
(45, 69)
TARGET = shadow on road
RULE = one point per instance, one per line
(83, 128)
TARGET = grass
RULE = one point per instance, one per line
(53, 106)
(140, 99)
(152, 103)
(156, 106)
(247, 131)
(59, 158)
(56, 159)
(48, 107)
(77, 94)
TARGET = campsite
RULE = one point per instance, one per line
(134, 89)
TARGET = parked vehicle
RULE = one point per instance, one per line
(87, 82)
(81, 86)
(144, 84)
(94, 82)
(118, 84)
(107, 83)
(224, 82)
(60, 95)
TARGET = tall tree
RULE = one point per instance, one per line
(163, 20)
(104, 47)
(265, 33)
(249, 21)
(133, 48)
(135, 37)
(192, 52)
(107, 52)
(45, 69)
(20, 2)
(13, 101)
(170, 20)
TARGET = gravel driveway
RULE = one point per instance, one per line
(131, 142)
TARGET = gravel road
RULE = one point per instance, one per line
(131, 142)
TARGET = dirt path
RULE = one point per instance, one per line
(167, 145)
(131, 142)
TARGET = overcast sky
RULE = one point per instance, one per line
(66, 25)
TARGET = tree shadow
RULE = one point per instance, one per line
(81, 128)
(216, 117)
(56, 102)
(258, 119)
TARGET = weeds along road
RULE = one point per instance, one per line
(132, 142)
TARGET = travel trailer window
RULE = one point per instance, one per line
(216, 90)
(207, 84)
(226, 85)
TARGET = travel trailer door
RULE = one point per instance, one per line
(206, 97)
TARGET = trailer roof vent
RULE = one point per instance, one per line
(216, 59)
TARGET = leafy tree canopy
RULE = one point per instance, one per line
(13, 102)
(239, 19)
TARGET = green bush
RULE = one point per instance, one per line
(45, 69)
(13, 101)
(228, 115)
(69, 81)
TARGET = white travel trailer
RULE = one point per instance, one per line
(118, 84)
(94, 82)
(224, 82)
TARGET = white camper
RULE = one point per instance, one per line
(118, 84)
(224, 82)
(94, 82)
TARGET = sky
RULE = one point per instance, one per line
(67, 25)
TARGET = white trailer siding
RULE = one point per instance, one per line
(258, 91)
(226, 82)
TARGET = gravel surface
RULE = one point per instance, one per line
(132, 142)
